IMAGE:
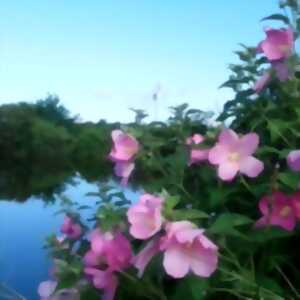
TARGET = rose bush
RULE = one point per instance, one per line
(218, 217)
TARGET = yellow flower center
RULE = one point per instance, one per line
(234, 156)
(285, 211)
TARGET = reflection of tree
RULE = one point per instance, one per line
(20, 184)
(42, 146)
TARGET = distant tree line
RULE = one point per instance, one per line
(42, 145)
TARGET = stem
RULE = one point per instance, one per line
(232, 292)
(279, 133)
(238, 277)
(154, 291)
(246, 185)
(288, 282)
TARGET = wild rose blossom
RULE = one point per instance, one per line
(186, 249)
(71, 229)
(293, 160)
(277, 47)
(195, 139)
(278, 210)
(125, 147)
(112, 249)
(145, 216)
(278, 44)
(103, 280)
(109, 253)
(196, 155)
(233, 154)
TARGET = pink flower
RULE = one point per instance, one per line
(233, 154)
(46, 289)
(293, 160)
(124, 148)
(261, 83)
(278, 44)
(105, 280)
(109, 253)
(145, 217)
(124, 170)
(196, 155)
(195, 139)
(113, 250)
(187, 249)
(281, 70)
(71, 229)
(277, 210)
(296, 204)
(141, 260)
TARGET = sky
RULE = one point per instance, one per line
(102, 57)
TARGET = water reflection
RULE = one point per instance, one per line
(24, 225)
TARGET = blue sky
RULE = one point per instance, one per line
(102, 57)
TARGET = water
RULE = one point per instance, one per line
(24, 227)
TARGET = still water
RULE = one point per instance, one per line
(24, 227)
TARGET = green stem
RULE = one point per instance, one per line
(232, 292)
(253, 284)
(246, 185)
(288, 282)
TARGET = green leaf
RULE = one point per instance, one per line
(277, 17)
(227, 223)
(189, 214)
(289, 179)
(267, 150)
(267, 234)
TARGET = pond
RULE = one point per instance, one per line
(24, 226)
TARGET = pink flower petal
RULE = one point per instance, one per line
(251, 166)
(248, 144)
(228, 170)
(203, 261)
(228, 137)
(47, 288)
(145, 217)
(296, 204)
(198, 156)
(218, 154)
(293, 160)
(141, 260)
(261, 83)
(124, 170)
(282, 70)
(91, 259)
(278, 43)
(175, 262)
